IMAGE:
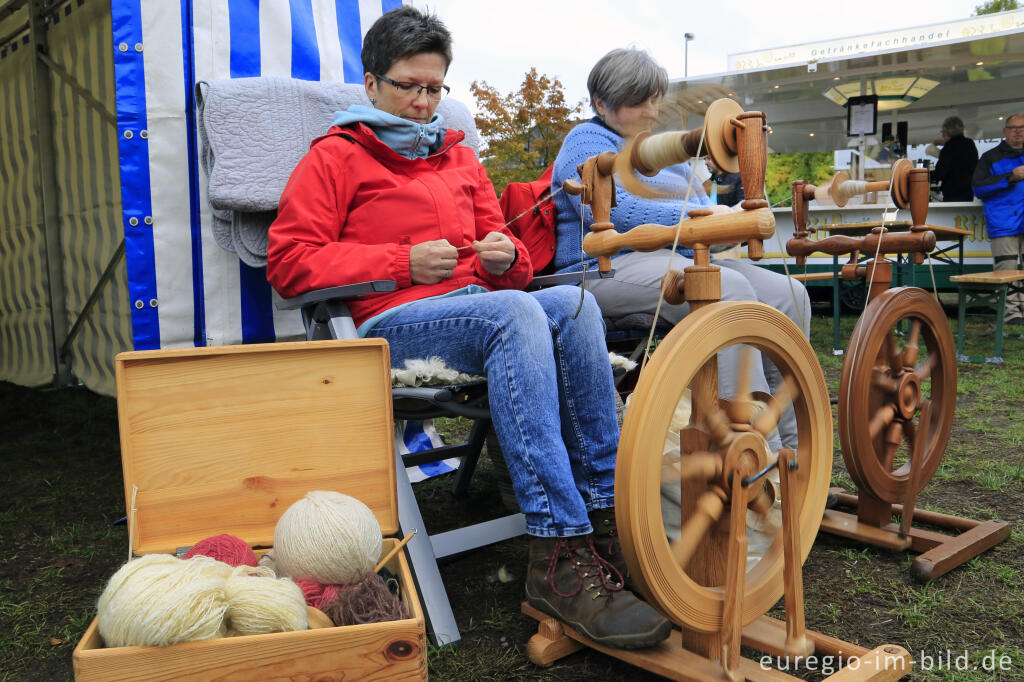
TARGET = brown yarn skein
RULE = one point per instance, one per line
(367, 600)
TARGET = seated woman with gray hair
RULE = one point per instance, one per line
(388, 193)
(626, 86)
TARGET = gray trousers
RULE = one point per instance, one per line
(636, 288)
(1007, 252)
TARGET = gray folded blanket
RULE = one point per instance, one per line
(252, 134)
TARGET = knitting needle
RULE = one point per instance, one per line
(393, 552)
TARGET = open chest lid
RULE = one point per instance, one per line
(224, 439)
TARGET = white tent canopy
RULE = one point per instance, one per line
(978, 79)
(105, 239)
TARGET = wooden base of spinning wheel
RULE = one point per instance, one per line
(940, 553)
(670, 660)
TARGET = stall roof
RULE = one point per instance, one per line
(792, 95)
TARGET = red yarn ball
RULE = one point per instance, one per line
(227, 548)
(317, 594)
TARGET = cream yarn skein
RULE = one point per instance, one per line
(259, 603)
(159, 599)
(327, 536)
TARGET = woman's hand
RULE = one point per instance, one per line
(433, 261)
(496, 252)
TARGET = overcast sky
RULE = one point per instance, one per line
(499, 42)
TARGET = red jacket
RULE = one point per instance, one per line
(353, 207)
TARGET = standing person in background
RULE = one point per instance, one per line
(956, 163)
(997, 182)
(728, 187)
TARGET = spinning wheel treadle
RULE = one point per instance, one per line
(683, 359)
(885, 382)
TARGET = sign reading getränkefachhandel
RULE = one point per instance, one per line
(882, 41)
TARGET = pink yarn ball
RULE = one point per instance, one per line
(227, 548)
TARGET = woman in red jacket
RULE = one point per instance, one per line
(388, 193)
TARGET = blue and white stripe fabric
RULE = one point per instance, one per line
(184, 289)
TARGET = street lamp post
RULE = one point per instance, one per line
(687, 37)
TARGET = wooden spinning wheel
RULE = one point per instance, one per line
(897, 393)
(719, 440)
(888, 384)
(700, 580)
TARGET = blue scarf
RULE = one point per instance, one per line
(408, 138)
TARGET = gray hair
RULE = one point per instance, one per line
(402, 33)
(953, 126)
(626, 77)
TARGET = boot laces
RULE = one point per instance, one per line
(592, 570)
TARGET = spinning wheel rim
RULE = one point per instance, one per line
(637, 473)
(860, 400)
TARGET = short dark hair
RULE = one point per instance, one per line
(401, 33)
(626, 77)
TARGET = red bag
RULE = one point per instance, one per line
(529, 211)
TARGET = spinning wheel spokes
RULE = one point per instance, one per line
(708, 509)
(768, 421)
(883, 390)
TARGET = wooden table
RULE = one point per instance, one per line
(989, 290)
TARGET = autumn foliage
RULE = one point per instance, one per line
(523, 130)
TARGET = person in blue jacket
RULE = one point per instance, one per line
(626, 86)
(997, 182)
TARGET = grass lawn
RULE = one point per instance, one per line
(62, 495)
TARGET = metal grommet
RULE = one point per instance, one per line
(123, 47)
(152, 303)
(128, 134)
(148, 220)
(139, 304)
(138, 47)
(133, 221)
(144, 134)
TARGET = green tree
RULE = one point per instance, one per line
(523, 130)
(993, 6)
(783, 169)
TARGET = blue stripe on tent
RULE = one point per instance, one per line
(256, 307)
(133, 153)
(257, 312)
(305, 50)
(388, 5)
(351, 39)
(188, 64)
(244, 21)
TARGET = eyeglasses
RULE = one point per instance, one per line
(1014, 128)
(434, 92)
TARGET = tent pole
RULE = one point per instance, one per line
(78, 88)
(108, 273)
(10, 7)
(44, 131)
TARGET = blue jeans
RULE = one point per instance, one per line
(549, 385)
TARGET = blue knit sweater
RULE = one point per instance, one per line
(591, 138)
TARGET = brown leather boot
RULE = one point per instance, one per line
(606, 541)
(567, 579)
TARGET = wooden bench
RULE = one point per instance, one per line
(987, 289)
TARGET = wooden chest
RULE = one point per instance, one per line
(224, 440)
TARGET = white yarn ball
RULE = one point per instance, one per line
(259, 603)
(159, 599)
(327, 536)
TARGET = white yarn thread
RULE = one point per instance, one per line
(159, 599)
(327, 536)
(259, 603)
